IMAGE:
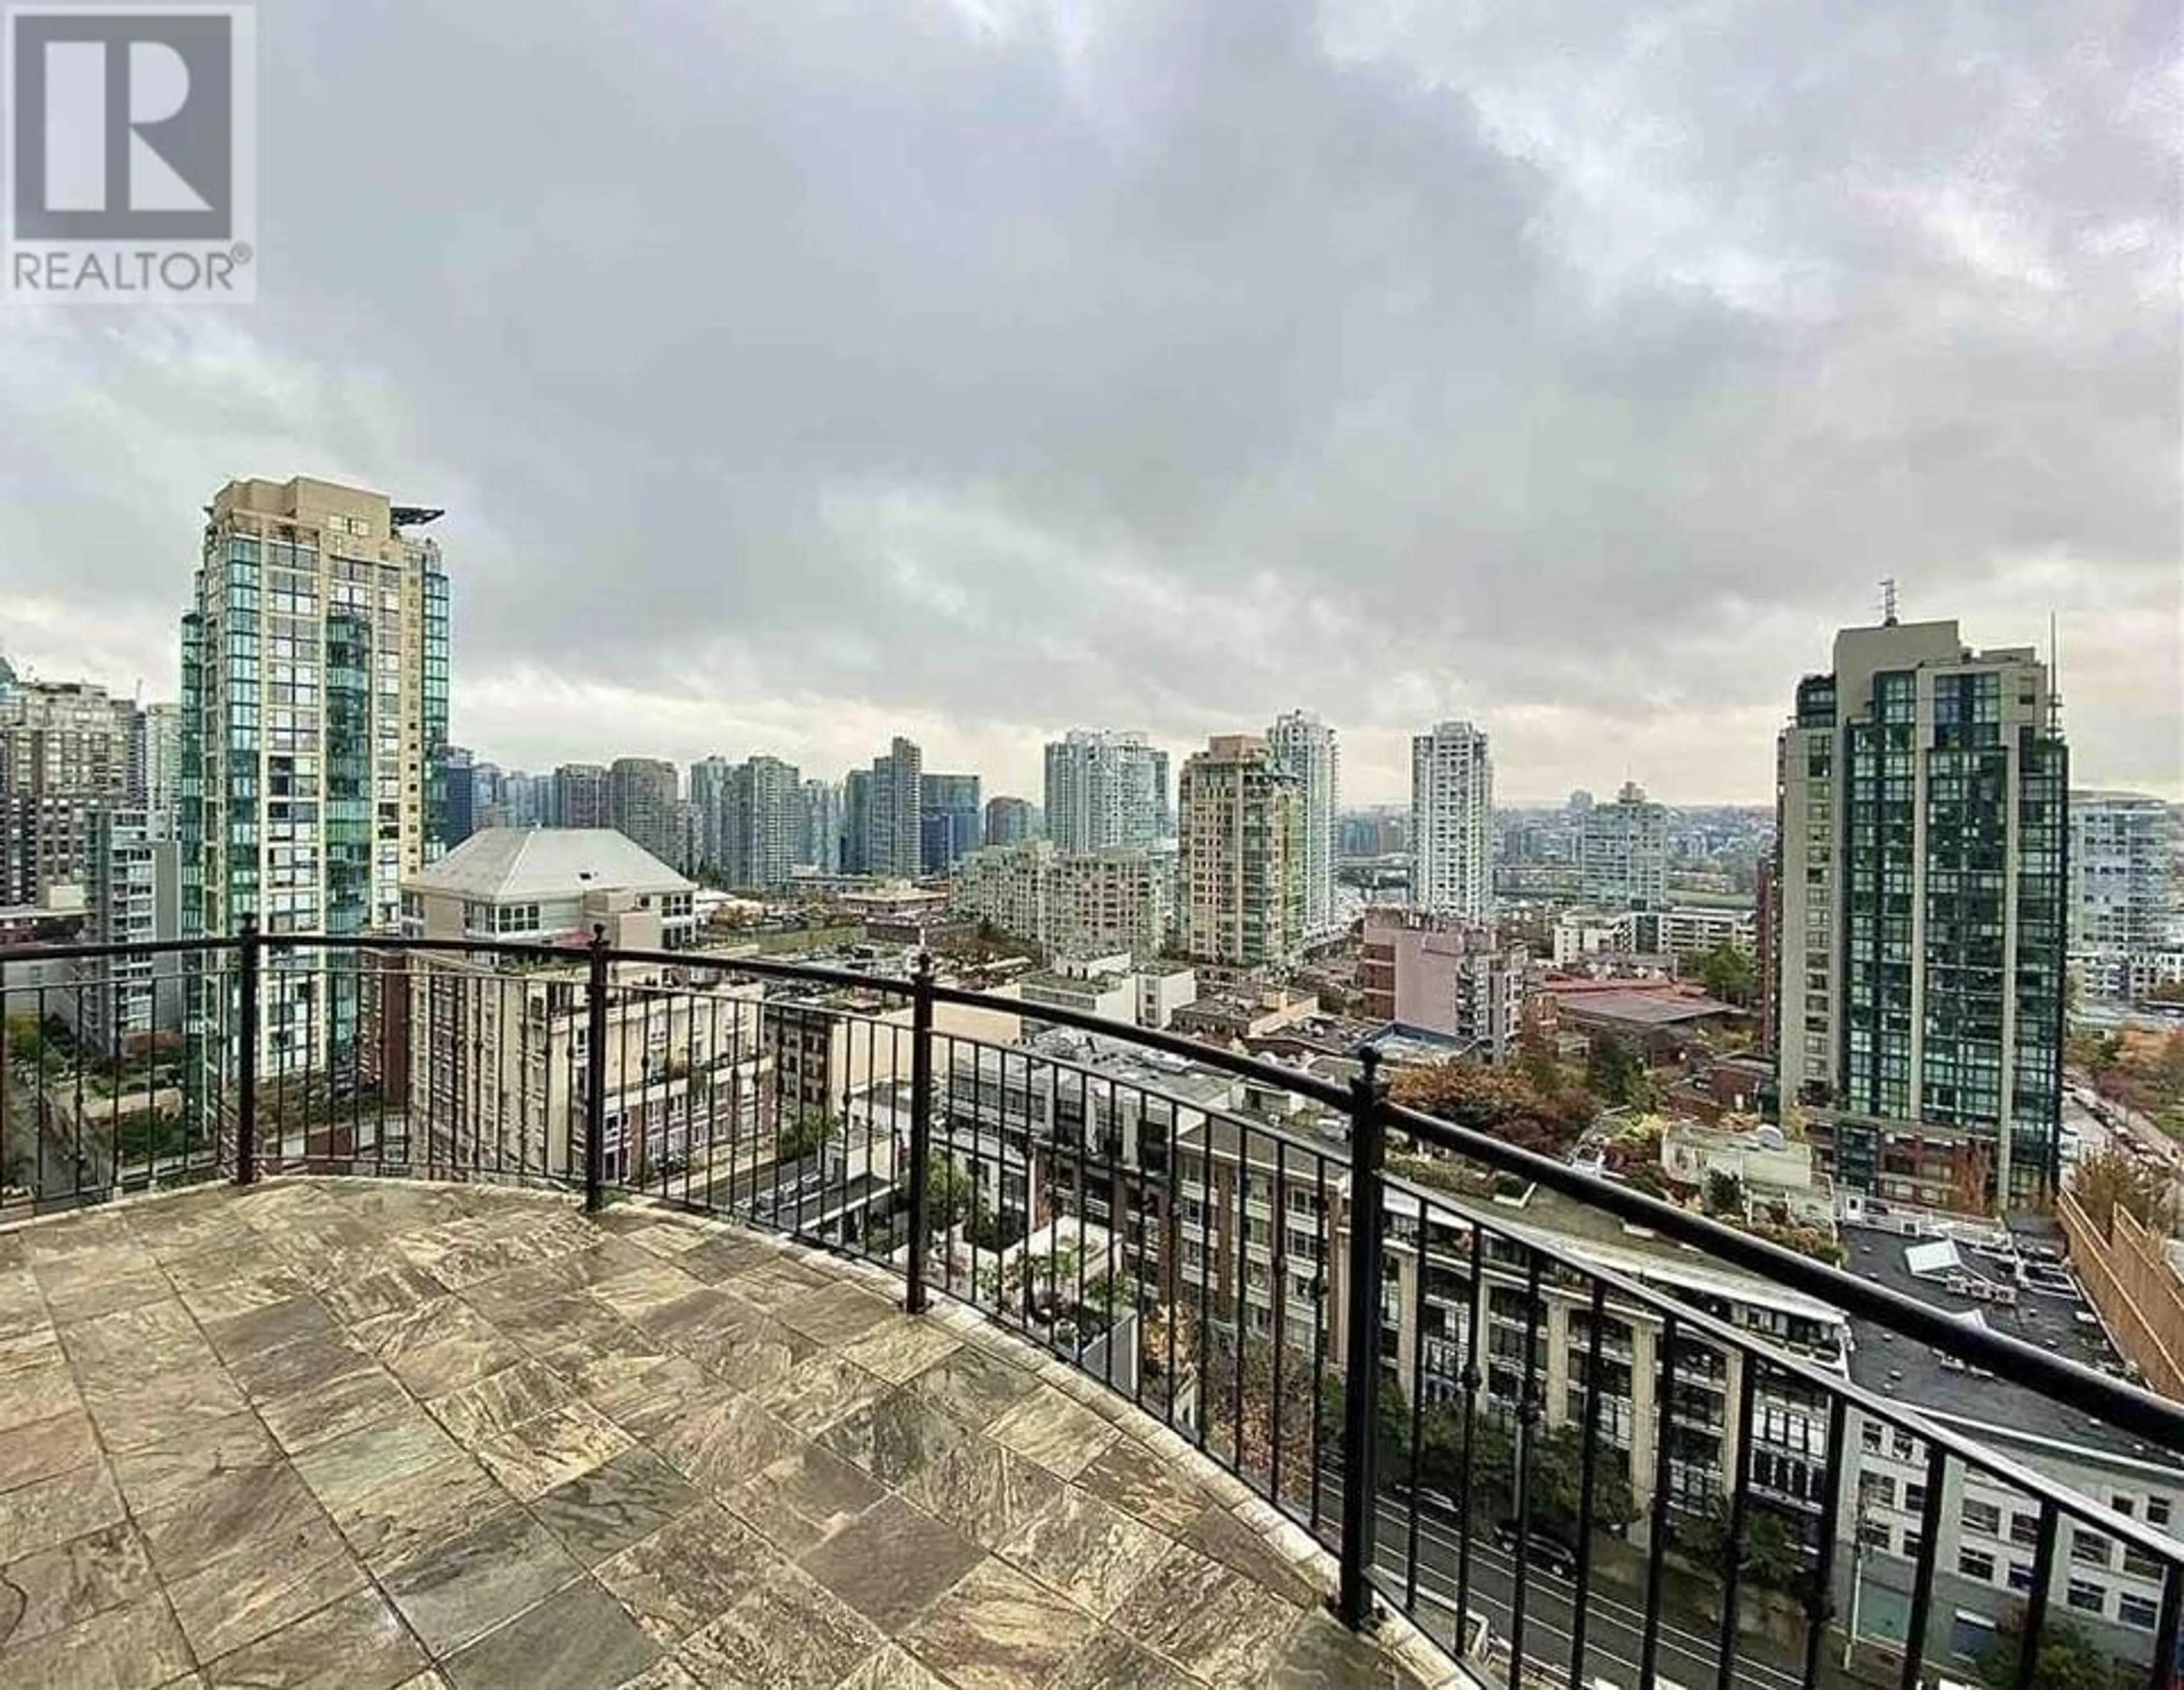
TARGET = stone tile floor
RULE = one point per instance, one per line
(369, 1434)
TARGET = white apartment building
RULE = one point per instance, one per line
(313, 743)
(766, 807)
(2123, 889)
(162, 768)
(2122, 870)
(498, 1053)
(1451, 822)
(132, 897)
(1623, 852)
(1105, 790)
(1306, 747)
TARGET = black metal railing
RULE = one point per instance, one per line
(1559, 1442)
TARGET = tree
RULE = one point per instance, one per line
(2068, 1659)
(24, 1041)
(802, 1136)
(1728, 973)
(2111, 1180)
(1614, 1071)
(1392, 1423)
(1499, 1102)
(1724, 1194)
(1769, 1554)
(950, 1195)
(1536, 1045)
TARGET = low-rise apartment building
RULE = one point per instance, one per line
(1442, 974)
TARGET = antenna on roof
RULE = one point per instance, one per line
(1888, 601)
(2054, 678)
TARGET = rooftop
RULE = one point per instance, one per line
(2059, 1320)
(517, 865)
(321, 1429)
(1603, 1000)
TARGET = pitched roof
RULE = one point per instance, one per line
(522, 865)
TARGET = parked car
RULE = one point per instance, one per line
(1542, 1548)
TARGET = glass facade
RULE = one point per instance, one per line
(1925, 844)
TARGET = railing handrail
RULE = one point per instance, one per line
(1981, 1457)
(2127, 1407)
(1550, 1260)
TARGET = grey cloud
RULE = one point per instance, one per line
(1179, 362)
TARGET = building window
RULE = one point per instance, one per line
(1977, 1564)
(2089, 1547)
(2086, 1596)
(1982, 1517)
(2021, 1576)
(2157, 1511)
(2024, 1528)
(2137, 1610)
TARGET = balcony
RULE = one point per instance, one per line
(798, 1398)
(322, 1426)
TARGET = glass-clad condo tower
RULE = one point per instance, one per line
(1922, 797)
(314, 745)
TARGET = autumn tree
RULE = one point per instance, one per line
(2112, 1179)
(1498, 1102)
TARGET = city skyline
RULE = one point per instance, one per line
(1574, 381)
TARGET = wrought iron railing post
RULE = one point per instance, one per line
(247, 947)
(1361, 1372)
(921, 1128)
(595, 1074)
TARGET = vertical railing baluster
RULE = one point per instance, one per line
(1733, 1555)
(1475, 1312)
(1362, 1371)
(1528, 1419)
(1819, 1600)
(1279, 1253)
(1320, 1339)
(595, 1073)
(1649, 1647)
(921, 1130)
(1930, 1551)
(2036, 1599)
(1239, 1297)
(1415, 1478)
(1597, 1318)
(246, 1056)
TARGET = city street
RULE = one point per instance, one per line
(1615, 1615)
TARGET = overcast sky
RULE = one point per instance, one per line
(795, 374)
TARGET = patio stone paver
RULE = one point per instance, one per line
(382, 1435)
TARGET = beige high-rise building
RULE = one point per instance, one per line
(314, 741)
(1452, 822)
(1240, 828)
(1092, 903)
